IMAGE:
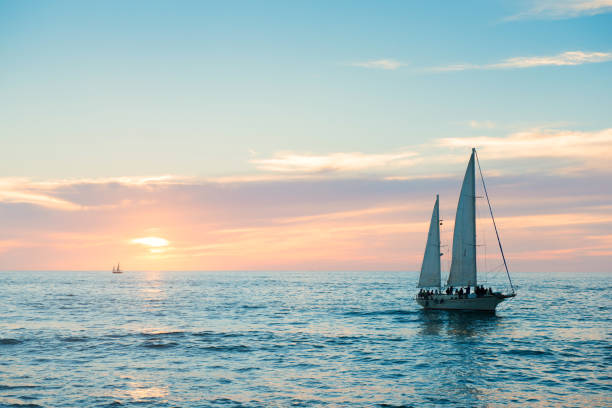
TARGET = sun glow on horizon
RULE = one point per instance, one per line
(155, 242)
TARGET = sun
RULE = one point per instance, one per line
(154, 242)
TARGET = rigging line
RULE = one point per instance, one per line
(494, 225)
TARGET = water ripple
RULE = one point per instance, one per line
(256, 339)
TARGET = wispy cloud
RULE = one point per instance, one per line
(333, 162)
(481, 124)
(562, 151)
(562, 9)
(12, 191)
(44, 193)
(37, 199)
(568, 58)
(592, 148)
(388, 64)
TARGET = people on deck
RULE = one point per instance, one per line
(479, 291)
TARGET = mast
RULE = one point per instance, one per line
(430, 269)
(494, 225)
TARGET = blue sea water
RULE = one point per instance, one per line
(308, 339)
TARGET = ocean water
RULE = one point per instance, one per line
(309, 339)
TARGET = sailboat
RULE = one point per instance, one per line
(117, 269)
(462, 291)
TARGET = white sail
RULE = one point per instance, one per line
(463, 265)
(430, 269)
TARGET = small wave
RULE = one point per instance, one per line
(247, 369)
(75, 339)
(211, 334)
(393, 376)
(343, 340)
(253, 307)
(25, 404)
(395, 312)
(16, 387)
(302, 365)
(157, 345)
(393, 361)
(227, 349)
(527, 352)
(176, 333)
(305, 403)
(116, 335)
(8, 341)
(226, 401)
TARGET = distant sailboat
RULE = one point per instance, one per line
(117, 269)
(463, 272)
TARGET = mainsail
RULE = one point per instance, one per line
(430, 269)
(463, 265)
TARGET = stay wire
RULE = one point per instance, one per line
(493, 218)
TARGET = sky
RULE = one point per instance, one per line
(274, 135)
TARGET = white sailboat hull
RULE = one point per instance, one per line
(453, 302)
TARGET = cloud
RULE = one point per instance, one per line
(43, 200)
(569, 58)
(558, 151)
(484, 124)
(562, 9)
(566, 58)
(592, 149)
(45, 193)
(333, 162)
(387, 64)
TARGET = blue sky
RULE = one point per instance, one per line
(198, 88)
